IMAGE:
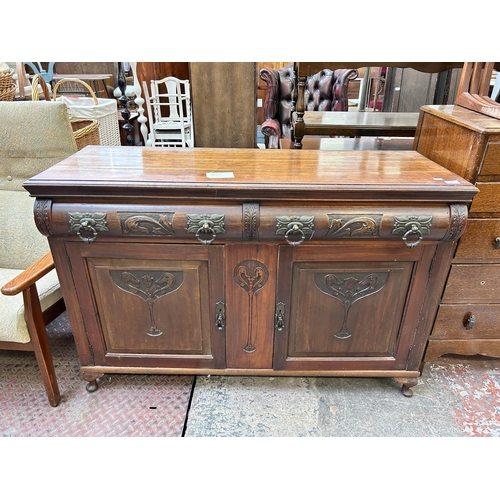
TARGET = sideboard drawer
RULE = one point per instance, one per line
(465, 321)
(473, 284)
(299, 224)
(157, 222)
(479, 240)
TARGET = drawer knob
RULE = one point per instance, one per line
(497, 243)
(469, 321)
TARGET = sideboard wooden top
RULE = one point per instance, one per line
(249, 174)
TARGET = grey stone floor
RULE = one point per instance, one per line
(454, 397)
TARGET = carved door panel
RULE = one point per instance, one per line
(344, 308)
(154, 304)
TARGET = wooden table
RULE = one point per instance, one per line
(93, 78)
(352, 143)
(354, 123)
(250, 261)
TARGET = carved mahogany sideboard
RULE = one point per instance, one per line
(249, 261)
(468, 143)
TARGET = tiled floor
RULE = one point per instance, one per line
(455, 397)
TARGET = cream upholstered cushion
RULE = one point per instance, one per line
(33, 136)
(22, 243)
(13, 326)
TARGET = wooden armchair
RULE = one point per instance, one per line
(324, 90)
(34, 136)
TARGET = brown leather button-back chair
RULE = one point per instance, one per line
(33, 136)
(325, 91)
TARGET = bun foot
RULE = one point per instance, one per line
(407, 384)
(92, 386)
(93, 381)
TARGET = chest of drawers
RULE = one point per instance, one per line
(251, 262)
(468, 143)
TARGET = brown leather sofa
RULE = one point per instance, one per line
(325, 91)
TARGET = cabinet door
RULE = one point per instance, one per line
(347, 306)
(151, 305)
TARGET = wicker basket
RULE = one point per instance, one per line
(7, 85)
(85, 132)
(105, 111)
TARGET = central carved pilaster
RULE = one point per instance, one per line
(251, 276)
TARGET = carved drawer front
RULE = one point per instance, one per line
(481, 240)
(200, 224)
(298, 224)
(474, 283)
(467, 321)
(487, 200)
(491, 162)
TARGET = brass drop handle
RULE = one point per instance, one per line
(295, 228)
(206, 226)
(87, 222)
(87, 225)
(497, 243)
(469, 321)
(414, 229)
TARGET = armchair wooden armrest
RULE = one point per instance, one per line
(36, 321)
(30, 276)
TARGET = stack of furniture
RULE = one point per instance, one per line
(377, 124)
(467, 142)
